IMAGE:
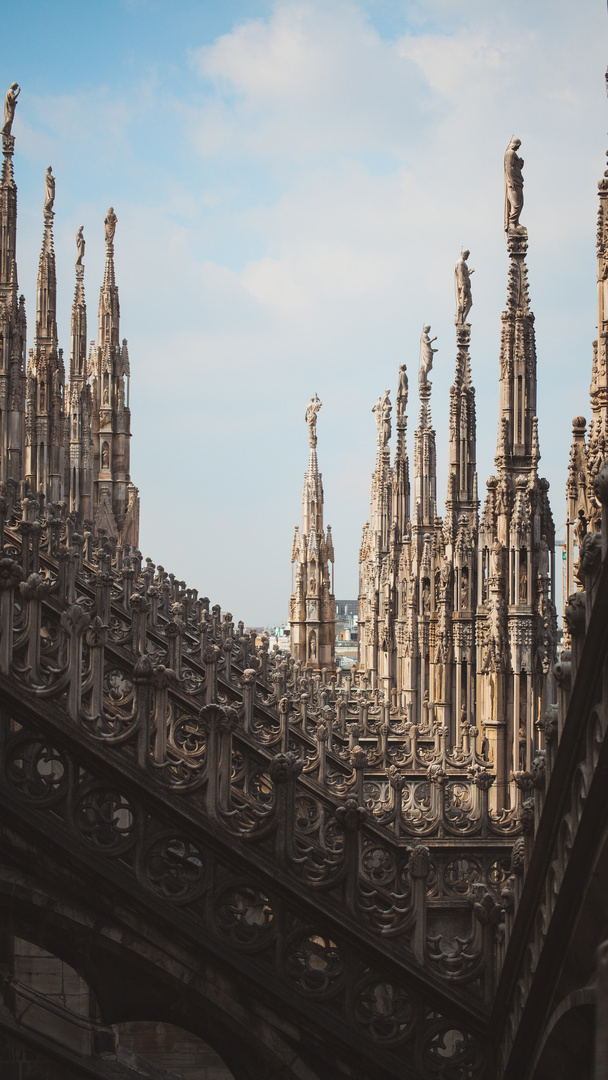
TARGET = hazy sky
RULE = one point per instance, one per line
(293, 183)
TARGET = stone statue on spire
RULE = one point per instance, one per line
(402, 391)
(426, 355)
(80, 244)
(110, 221)
(462, 282)
(311, 418)
(49, 191)
(514, 187)
(383, 409)
(10, 103)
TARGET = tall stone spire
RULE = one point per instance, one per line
(587, 455)
(115, 499)
(376, 591)
(462, 478)
(12, 317)
(312, 614)
(45, 420)
(425, 452)
(80, 403)
(517, 388)
(517, 639)
(460, 528)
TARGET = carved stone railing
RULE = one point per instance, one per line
(106, 659)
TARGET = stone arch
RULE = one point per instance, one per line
(135, 975)
(567, 1045)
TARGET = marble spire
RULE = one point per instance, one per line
(312, 609)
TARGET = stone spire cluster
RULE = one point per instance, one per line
(590, 446)
(64, 443)
(457, 623)
(312, 613)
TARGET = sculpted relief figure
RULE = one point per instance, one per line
(514, 187)
(10, 103)
(402, 391)
(426, 354)
(110, 221)
(462, 281)
(49, 190)
(80, 245)
(311, 418)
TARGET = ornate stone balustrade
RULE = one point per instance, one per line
(288, 816)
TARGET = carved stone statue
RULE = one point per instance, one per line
(386, 418)
(10, 103)
(523, 584)
(49, 191)
(462, 281)
(382, 409)
(110, 221)
(311, 418)
(402, 391)
(496, 558)
(426, 354)
(580, 527)
(543, 557)
(80, 245)
(514, 187)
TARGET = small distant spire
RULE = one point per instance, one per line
(46, 306)
(78, 350)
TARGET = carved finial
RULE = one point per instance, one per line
(311, 418)
(514, 188)
(462, 284)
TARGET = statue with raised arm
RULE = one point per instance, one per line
(311, 418)
(426, 354)
(514, 187)
(80, 245)
(382, 410)
(10, 103)
(402, 391)
(462, 282)
(49, 191)
(110, 221)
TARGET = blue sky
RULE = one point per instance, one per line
(294, 180)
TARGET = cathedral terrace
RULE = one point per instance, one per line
(222, 861)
